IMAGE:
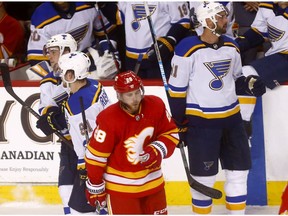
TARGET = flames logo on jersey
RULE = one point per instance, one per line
(218, 69)
(140, 14)
(274, 33)
(134, 145)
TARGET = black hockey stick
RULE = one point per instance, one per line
(111, 48)
(84, 119)
(138, 63)
(208, 191)
(8, 86)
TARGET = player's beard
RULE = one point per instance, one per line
(221, 30)
(132, 109)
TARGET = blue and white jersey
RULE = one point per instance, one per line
(204, 75)
(52, 93)
(95, 100)
(81, 22)
(274, 22)
(163, 16)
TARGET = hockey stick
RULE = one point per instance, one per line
(84, 119)
(208, 191)
(8, 86)
(138, 63)
(111, 48)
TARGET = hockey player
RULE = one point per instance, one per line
(171, 23)
(76, 18)
(52, 95)
(270, 21)
(124, 155)
(91, 95)
(206, 73)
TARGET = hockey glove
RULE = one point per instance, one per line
(255, 86)
(151, 157)
(182, 131)
(52, 121)
(166, 47)
(96, 195)
(105, 65)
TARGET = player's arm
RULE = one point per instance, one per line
(97, 153)
(180, 25)
(251, 85)
(167, 138)
(256, 35)
(252, 38)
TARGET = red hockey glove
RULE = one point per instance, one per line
(96, 194)
(151, 157)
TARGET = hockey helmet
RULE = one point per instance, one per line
(79, 62)
(209, 10)
(127, 81)
(62, 41)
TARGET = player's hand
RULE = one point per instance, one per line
(105, 64)
(96, 195)
(255, 85)
(151, 157)
(166, 47)
(52, 121)
(182, 131)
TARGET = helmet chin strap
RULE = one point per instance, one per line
(214, 29)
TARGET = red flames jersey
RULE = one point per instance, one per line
(114, 148)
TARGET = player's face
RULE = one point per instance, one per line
(131, 101)
(53, 54)
(221, 22)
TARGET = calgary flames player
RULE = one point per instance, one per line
(124, 155)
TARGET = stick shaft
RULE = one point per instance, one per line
(8, 87)
(211, 192)
(111, 48)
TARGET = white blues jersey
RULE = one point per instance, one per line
(275, 23)
(95, 100)
(81, 22)
(52, 94)
(163, 16)
(205, 75)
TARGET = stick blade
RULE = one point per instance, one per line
(210, 192)
(5, 74)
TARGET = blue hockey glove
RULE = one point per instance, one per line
(52, 121)
(166, 47)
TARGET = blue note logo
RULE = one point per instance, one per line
(219, 69)
(140, 14)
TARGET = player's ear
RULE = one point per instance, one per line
(210, 24)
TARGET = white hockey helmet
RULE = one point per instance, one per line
(62, 41)
(209, 10)
(78, 62)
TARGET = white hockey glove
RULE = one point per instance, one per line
(105, 65)
(38, 71)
